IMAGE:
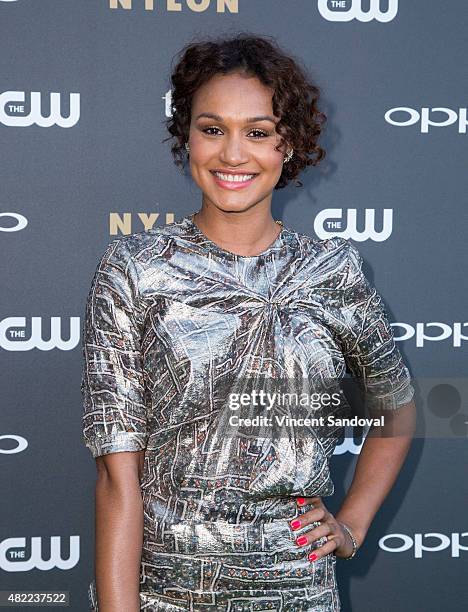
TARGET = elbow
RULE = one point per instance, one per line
(119, 473)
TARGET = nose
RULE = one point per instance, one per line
(234, 151)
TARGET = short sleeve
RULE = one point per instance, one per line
(370, 351)
(113, 391)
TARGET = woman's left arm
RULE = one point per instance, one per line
(371, 354)
(380, 460)
(382, 455)
(373, 357)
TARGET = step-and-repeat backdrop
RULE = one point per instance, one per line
(84, 94)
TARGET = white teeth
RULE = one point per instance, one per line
(234, 178)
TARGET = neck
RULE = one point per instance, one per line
(245, 232)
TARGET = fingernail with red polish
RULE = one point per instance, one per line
(312, 557)
(300, 501)
(295, 524)
(301, 540)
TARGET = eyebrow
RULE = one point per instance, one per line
(248, 120)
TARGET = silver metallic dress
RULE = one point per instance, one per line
(173, 324)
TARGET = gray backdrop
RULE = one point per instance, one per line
(67, 185)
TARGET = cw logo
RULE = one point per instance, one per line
(418, 544)
(324, 227)
(21, 222)
(348, 445)
(8, 98)
(13, 554)
(21, 444)
(18, 342)
(328, 10)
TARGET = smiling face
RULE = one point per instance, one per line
(232, 143)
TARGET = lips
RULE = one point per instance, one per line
(230, 173)
(233, 183)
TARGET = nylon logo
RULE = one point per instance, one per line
(197, 6)
(21, 222)
(15, 339)
(9, 101)
(13, 554)
(331, 10)
(328, 222)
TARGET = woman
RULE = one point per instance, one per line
(194, 512)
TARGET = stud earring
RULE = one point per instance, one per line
(187, 147)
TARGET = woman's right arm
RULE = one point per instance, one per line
(119, 531)
(114, 424)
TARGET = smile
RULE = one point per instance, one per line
(233, 181)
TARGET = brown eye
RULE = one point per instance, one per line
(258, 133)
(209, 128)
(261, 132)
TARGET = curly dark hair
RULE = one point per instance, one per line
(294, 99)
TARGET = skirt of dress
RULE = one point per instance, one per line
(285, 581)
(323, 599)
